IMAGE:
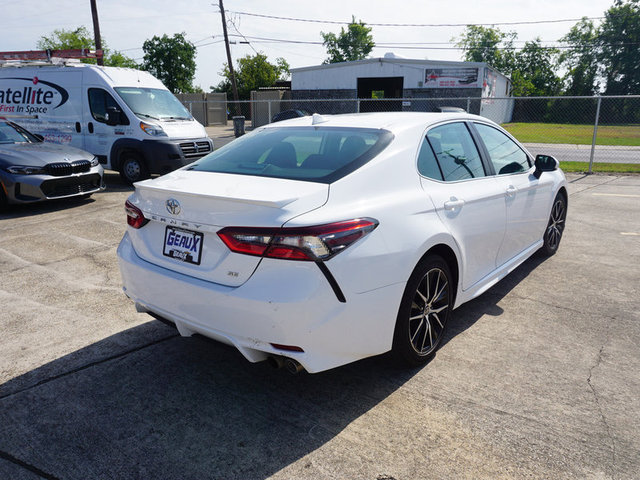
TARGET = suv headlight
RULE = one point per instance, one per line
(94, 162)
(153, 130)
(24, 170)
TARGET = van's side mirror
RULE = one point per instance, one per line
(545, 163)
(113, 116)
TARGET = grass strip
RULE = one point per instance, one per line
(600, 167)
(620, 135)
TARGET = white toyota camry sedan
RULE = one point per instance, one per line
(322, 240)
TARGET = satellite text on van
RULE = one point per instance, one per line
(30, 99)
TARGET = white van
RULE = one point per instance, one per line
(126, 117)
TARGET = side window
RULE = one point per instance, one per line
(456, 152)
(427, 163)
(506, 156)
(99, 100)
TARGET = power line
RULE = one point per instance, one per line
(239, 33)
(208, 37)
(316, 42)
(196, 44)
(210, 43)
(419, 45)
(336, 22)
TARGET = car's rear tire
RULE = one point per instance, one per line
(132, 168)
(424, 312)
(555, 227)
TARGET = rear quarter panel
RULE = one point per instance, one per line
(387, 189)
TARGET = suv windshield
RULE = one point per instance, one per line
(14, 134)
(315, 154)
(153, 103)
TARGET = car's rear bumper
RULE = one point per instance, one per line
(293, 306)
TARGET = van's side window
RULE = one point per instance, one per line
(99, 100)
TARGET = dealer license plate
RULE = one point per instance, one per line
(183, 245)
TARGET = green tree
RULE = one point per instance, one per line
(489, 45)
(355, 43)
(171, 60)
(61, 39)
(619, 38)
(253, 72)
(117, 59)
(534, 71)
(580, 59)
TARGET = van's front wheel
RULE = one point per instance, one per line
(133, 168)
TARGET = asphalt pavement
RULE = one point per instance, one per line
(537, 378)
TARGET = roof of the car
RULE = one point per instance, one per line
(392, 121)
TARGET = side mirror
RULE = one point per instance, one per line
(113, 115)
(545, 163)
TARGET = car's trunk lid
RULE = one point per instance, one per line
(187, 208)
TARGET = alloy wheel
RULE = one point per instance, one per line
(429, 311)
(556, 223)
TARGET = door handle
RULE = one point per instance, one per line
(90, 127)
(453, 204)
(511, 191)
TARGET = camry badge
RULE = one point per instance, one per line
(173, 206)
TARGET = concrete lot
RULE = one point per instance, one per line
(538, 378)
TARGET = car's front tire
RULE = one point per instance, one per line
(133, 169)
(424, 312)
(555, 227)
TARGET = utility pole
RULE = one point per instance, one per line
(234, 86)
(96, 30)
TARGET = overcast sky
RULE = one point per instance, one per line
(126, 24)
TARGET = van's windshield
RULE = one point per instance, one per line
(153, 103)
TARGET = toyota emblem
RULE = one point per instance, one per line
(173, 206)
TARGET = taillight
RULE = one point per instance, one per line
(135, 217)
(304, 243)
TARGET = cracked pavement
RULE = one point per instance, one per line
(537, 378)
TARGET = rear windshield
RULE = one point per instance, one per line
(315, 154)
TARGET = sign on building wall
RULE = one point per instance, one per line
(452, 78)
(489, 84)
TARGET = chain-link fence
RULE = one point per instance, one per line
(584, 129)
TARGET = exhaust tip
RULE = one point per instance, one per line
(276, 362)
(293, 366)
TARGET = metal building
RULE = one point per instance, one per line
(393, 83)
